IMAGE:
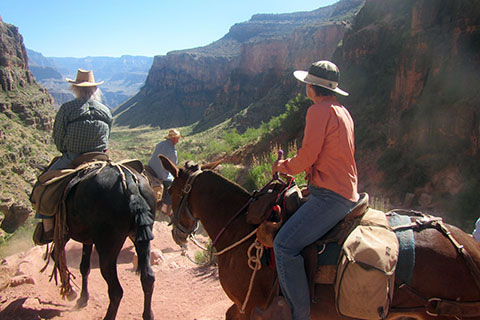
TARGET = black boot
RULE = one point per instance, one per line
(279, 309)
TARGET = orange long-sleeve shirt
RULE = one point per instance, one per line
(327, 152)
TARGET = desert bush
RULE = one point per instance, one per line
(229, 171)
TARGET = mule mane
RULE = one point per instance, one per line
(217, 179)
(220, 180)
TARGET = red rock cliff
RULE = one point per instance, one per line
(20, 95)
(412, 70)
(212, 83)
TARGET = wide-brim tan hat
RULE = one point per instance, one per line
(174, 133)
(323, 74)
(85, 78)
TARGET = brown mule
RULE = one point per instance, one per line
(278, 310)
(442, 285)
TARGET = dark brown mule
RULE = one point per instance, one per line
(112, 202)
(440, 271)
(103, 210)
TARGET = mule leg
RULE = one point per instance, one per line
(108, 252)
(147, 277)
(85, 271)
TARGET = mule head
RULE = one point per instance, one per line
(174, 170)
(184, 221)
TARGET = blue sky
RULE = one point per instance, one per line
(67, 28)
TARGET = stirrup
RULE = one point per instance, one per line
(40, 237)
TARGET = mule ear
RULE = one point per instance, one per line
(211, 165)
(169, 165)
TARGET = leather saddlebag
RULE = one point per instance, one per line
(47, 192)
(366, 269)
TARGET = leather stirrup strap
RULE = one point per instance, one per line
(447, 308)
(474, 270)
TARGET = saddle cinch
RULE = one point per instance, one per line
(368, 252)
(53, 186)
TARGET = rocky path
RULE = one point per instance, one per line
(183, 290)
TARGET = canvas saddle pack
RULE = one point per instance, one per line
(363, 275)
(52, 187)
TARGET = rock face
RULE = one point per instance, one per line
(20, 95)
(212, 83)
(411, 68)
(26, 118)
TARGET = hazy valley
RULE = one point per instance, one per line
(123, 76)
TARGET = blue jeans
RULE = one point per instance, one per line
(166, 199)
(323, 210)
(62, 163)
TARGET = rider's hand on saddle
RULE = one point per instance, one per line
(305, 192)
(287, 176)
(275, 165)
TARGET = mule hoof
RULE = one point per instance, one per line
(81, 303)
(149, 316)
(72, 295)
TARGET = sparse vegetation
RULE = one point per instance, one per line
(220, 141)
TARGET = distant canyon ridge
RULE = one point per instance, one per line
(123, 76)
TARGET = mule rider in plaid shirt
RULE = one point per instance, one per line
(81, 125)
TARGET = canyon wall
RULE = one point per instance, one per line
(20, 96)
(212, 83)
(412, 70)
(26, 120)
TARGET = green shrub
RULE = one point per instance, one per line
(229, 171)
(202, 257)
(261, 171)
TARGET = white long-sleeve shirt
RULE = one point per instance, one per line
(166, 148)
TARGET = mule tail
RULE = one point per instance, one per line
(144, 215)
(144, 219)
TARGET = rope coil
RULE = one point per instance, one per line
(258, 265)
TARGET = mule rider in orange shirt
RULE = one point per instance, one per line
(327, 156)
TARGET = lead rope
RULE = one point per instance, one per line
(235, 244)
(256, 260)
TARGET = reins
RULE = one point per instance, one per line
(244, 207)
(254, 261)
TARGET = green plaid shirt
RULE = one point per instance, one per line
(82, 126)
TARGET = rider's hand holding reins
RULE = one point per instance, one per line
(277, 163)
(275, 166)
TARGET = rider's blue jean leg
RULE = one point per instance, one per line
(166, 199)
(323, 210)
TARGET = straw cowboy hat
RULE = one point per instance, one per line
(173, 134)
(84, 79)
(322, 73)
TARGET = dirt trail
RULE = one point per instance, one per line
(183, 290)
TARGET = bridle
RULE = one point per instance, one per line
(183, 206)
(189, 233)
(254, 261)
